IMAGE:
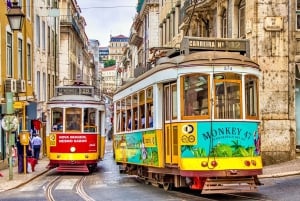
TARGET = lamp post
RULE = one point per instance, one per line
(15, 18)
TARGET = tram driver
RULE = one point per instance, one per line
(74, 124)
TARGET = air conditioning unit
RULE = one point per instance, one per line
(10, 85)
(21, 86)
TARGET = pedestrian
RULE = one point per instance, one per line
(14, 155)
(20, 150)
(36, 143)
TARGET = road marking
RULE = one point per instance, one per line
(66, 184)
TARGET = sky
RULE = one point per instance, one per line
(107, 17)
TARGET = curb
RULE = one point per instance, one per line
(279, 174)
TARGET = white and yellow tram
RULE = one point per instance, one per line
(192, 121)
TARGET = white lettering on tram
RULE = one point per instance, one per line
(72, 139)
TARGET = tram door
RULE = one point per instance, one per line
(170, 124)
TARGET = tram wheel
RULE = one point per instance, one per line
(167, 186)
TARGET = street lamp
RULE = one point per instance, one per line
(15, 18)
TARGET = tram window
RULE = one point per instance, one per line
(135, 112)
(167, 102)
(142, 110)
(73, 119)
(89, 120)
(227, 100)
(123, 114)
(174, 101)
(128, 113)
(195, 98)
(251, 91)
(118, 116)
(149, 108)
(57, 119)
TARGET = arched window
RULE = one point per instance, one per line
(241, 17)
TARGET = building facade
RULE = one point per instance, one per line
(272, 30)
(144, 35)
(109, 80)
(73, 51)
(16, 74)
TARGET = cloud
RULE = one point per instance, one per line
(105, 18)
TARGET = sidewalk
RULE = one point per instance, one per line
(276, 170)
(19, 179)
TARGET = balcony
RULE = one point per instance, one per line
(143, 3)
(66, 20)
(135, 39)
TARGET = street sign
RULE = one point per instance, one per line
(18, 105)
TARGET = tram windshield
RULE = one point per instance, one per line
(226, 94)
(74, 120)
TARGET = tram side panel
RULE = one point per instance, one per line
(140, 148)
(217, 146)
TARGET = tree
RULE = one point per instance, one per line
(109, 63)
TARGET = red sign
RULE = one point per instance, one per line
(81, 142)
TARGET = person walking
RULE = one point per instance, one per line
(20, 151)
(36, 144)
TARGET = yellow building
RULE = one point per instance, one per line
(16, 66)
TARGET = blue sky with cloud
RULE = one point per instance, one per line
(107, 17)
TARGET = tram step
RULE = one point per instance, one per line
(229, 185)
(72, 168)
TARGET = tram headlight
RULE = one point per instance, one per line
(253, 162)
(72, 149)
(204, 163)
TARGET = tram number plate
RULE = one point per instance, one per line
(227, 68)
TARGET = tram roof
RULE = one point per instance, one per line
(200, 58)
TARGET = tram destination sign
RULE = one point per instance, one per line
(214, 44)
(78, 90)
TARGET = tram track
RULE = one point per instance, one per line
(79, 188)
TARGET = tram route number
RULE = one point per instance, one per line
(228, 68)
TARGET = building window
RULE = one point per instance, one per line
(20, 59)
(242, 7)
(9, 69)
(38, 85)
(43, 35)
(298, 14)
(224, 24)
(28, 6)
(48, 40)
(37, 24)
(29, 62)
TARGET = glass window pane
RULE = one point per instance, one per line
(195, 95)
(73, 119)
(90, 120)
(57, 119)
(227, 100)
(251, 91)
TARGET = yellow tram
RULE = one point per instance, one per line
(192, 121)
(75, 128)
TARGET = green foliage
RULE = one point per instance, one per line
(109, 63)
(222, 150)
